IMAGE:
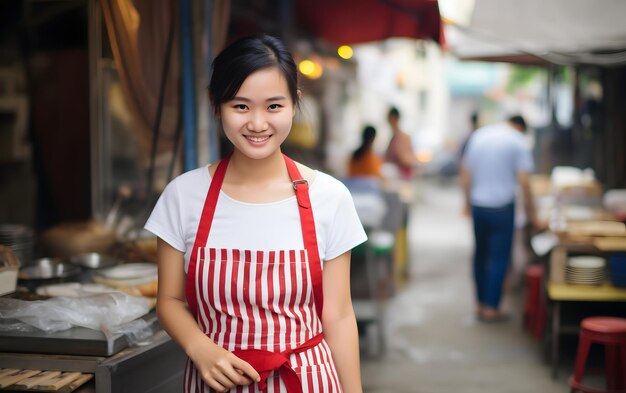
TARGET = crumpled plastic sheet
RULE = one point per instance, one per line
(112, 313)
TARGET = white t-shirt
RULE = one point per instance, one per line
(256, 226)
(495, 155)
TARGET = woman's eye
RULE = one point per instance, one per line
(241, 107)
(273, 107)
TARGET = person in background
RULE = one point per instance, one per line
(364, 161)
(498, 159)
(241, 243)
(473, 127)
(400, 148)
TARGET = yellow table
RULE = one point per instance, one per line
(586, 293)
(590, 237)
(561, 292)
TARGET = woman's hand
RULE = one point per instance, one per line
(221, 369)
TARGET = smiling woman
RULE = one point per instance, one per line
(242, 243)
(259, 118)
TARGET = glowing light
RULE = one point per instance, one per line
(311, 69)
(306, 67)
(424, 156)
(345, 52)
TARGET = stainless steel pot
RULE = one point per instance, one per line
(93, 260)
(48, 268)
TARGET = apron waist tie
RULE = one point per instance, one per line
(265, 362)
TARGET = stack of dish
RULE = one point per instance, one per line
(19, 239)
(617, 267)
(585, 270)
(131, 277)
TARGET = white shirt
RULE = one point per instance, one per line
(495, 155)
(256, 226)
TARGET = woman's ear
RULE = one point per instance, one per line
(295, 107)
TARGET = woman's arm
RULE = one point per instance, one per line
(406, 156)
(339, 323)
(219, 368)
(466, 185)
(523, 179)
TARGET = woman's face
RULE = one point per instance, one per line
(258, 119)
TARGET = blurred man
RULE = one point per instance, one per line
(473, 127)
(497, 160)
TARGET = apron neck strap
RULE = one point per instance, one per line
(301, 187)
(208, 211)
(202, 234)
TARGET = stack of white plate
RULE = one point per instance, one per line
(127, 275)
(585, 270)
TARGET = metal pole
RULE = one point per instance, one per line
(96, 122)
(212, 139)
(188, 95)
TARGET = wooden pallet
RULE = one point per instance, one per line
(14, 379)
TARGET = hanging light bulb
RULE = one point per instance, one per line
(306, 67)
(311, 69)
(345, 52)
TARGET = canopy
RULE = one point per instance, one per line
(358, 21)
(539, 31)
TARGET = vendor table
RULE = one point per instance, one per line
(559, 292)
(155, 365)
(589, 229)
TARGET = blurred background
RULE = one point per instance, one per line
(115, 92)
(103, 102)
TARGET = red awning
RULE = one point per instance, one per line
(358, 21)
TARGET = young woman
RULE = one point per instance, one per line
(242, 243)
(364, 161)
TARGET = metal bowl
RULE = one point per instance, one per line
(47, 268)
(93, 260)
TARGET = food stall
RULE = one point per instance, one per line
(85, 324)
(587, 244)
(75, 196)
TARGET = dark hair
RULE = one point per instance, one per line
(367, 139)
(518, 120)
(245, 56)
(393, 111)
(474, 119)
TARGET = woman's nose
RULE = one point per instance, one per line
(257, 122)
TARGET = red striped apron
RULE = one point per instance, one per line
(264, 306)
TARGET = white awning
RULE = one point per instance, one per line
(557, 31)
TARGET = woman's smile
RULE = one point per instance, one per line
(257, 139)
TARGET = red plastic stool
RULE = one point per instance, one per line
(612, 333)
(534, 309)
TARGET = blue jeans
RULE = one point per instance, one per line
(493, 235)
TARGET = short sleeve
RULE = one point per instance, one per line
(346, 231)
(467, 157)
(525, 159)
(165, 220)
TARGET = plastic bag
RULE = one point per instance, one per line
(111, 313)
